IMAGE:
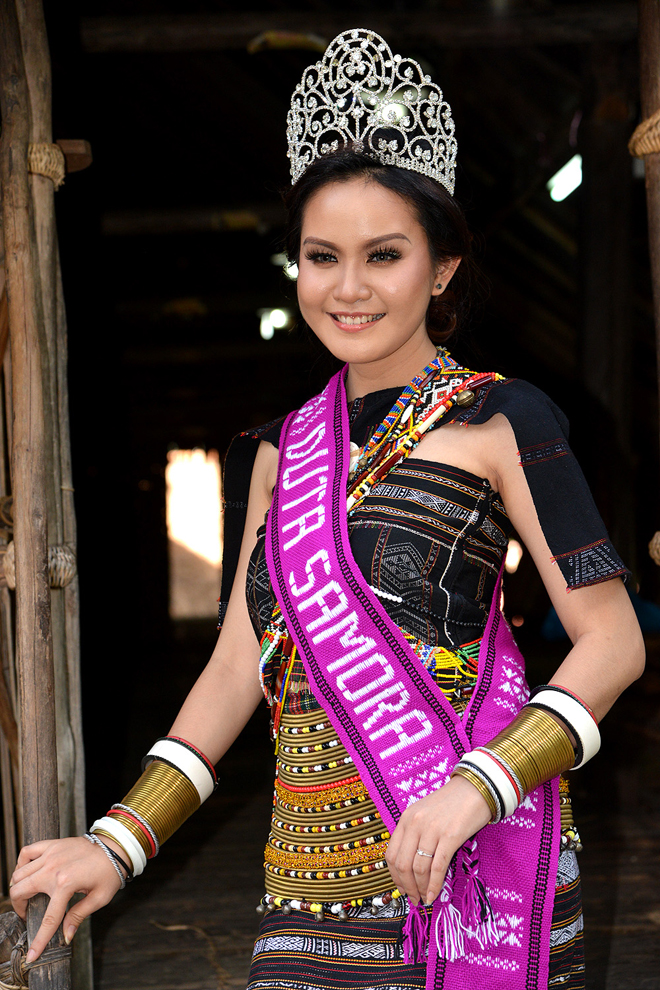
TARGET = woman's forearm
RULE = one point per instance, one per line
(608, 654)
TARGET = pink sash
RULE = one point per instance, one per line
(396, 724)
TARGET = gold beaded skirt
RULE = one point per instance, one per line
(327, 840)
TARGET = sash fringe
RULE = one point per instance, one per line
(449, 929)
(415, 935)
(477, 912)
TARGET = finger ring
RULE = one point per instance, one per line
(420, 852)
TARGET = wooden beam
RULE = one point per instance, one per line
(215, 32)
(196, 220)
(78, 153)
(33, 617)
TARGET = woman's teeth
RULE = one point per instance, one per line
(352, 321)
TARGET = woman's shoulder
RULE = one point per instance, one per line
(566, 511)
(514, 397)
(534, 417)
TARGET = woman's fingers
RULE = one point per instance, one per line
(420, 876)
(21, 891)
(61, 869)
(70, 925)
(436, 877)
(78, 912)
(403, 863)
(422, 869)
(49, 925)
(31, 852)
(26, 871)
(71, 920)
(437, 824)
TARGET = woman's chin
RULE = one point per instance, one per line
(367, 344)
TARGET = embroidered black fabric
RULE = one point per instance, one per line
(413, 538)
(429, 541)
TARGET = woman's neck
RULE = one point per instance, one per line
(396, 369)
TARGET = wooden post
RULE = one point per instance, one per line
(9, 767)
(37, 70)
(37, 75)
(59, 487)
(33, 620)
(649, 49)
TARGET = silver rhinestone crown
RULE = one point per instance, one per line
(362, 95)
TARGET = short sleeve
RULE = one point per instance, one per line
(567, 513)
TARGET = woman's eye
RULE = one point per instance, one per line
(320, 256)
(385, 254)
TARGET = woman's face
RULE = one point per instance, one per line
(365, 273)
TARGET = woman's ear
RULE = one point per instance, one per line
(444, 275)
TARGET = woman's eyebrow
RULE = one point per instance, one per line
(317, 240)
(387, 237)
(370, 243)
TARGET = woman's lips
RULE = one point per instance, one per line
(352, 322)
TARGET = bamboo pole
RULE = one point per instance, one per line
(7, 720)
(71, 591)
(36, 692)
(37, 70)
(61, 512)
(9, 770)
(649, 49)
(9, 746)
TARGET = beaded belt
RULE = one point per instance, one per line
(319, 796)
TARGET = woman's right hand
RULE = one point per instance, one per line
(61, 868)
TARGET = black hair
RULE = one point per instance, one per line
(435, 209)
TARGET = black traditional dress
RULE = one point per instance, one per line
(429, 539)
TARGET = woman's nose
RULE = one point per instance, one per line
(350, 284)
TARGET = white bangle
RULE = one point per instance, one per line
(509, 771)
(577, 718)
(143, 822)
(493, 769)
(121, 834)
(188, 763)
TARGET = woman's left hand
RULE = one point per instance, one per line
(438, 825)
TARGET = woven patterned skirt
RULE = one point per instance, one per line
(295, 952)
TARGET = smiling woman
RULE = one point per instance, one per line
(416, 205)
(421, 833)
(364, 291)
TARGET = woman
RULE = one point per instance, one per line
(417, 837)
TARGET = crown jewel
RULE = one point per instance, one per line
(379, 103)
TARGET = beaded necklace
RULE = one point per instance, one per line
(441, 362)
(419, 408)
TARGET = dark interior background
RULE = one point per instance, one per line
(164, 276)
